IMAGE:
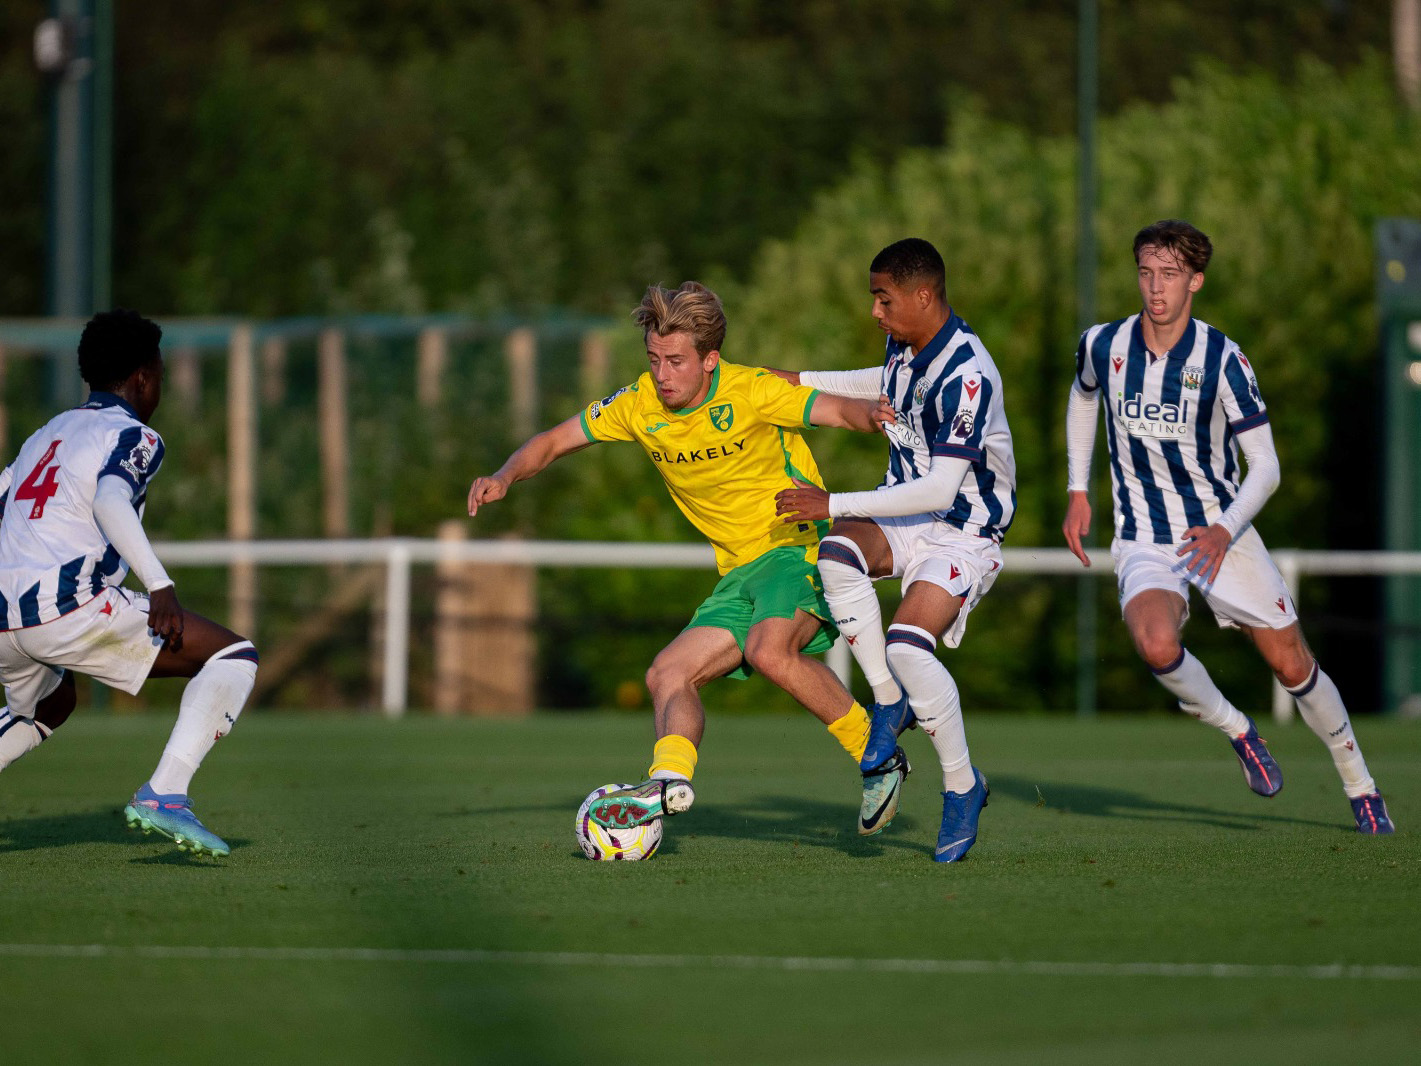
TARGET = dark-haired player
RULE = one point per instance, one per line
(936, 521)
(1181, 401)
(72, 503)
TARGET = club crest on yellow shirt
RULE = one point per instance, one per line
(722, 416)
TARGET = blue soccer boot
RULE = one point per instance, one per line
(172, 817)
(1259, 769)
(960, 811)
(1371, 814)
(887, 722)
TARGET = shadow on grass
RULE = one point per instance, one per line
(800, 822)
(1101, 802)
(89, 827)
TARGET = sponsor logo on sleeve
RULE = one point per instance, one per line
(972, 387)
(140, 458)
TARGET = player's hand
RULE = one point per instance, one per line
(884, 415)
(165, 618)
(803, 503)
(485, 490)
(1205, 547)
(1077, 524)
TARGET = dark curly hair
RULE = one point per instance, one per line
(114, 345)
(912, 260)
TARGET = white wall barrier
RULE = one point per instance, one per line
(400, 554)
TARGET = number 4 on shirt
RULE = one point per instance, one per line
(42, 483)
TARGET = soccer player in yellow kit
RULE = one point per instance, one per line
(725, 438)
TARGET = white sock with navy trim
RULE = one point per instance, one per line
(1199, 696)
(211, 703)
(19, 736)
(935, 700)
(852, 598)
(1322, 709)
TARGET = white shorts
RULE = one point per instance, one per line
(1249, 590)
(925, 549)
(106, 639)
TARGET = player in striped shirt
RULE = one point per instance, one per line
(725, 438)
(71, 507)
(936, 521)
(1181, 402)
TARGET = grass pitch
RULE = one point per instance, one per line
(410, 892)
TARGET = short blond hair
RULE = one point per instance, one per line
(692, 309)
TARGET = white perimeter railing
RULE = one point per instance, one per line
(399, 554)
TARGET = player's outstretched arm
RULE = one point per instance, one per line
(534, 456)
(844, 412)
(118, 522)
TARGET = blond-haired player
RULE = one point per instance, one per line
(725, 438)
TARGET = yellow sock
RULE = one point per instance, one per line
(852, 730)
(676, 755)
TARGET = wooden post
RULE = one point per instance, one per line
(483, 635)
(432, 358)
(335, 457)
(520, 349)
(186, 375)
(596, 362)
(1406, 50)
(273, 371)
(241, 477)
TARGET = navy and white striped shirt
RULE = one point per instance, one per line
(53, 556)
(949, 402)
(1171, 424)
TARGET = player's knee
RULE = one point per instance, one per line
(1159, 648)
(903, 656)
(1294, 669)
(768, 658)
(54, 710)
(241, 652)
(841, 564)
(663, 677)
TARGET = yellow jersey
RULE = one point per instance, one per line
(724, 459)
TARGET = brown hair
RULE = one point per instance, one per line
(1187, 243)
(692, 309)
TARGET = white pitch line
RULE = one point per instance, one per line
(791, 963)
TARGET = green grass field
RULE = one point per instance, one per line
(410, 892)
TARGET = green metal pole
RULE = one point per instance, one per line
(102, 158)
(1087, 79)
(71, 188)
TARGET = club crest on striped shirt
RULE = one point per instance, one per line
(1191, 377)
(921, 392)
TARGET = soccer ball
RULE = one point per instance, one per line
(600, 843)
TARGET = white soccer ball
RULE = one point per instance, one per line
(627, 845)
